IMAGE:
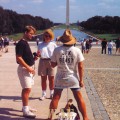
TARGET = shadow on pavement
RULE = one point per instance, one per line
(14, 98)
(6, 113)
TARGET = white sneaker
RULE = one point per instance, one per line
(32, 109)
(42, 98)
(28, 114)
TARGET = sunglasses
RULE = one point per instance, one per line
(48, 36)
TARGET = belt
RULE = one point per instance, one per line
(45, 59)
(33, 66)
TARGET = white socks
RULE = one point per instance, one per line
(51, 92)
(44, 93)
(26, 108)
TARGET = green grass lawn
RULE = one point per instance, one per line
(108, 36)
(18, 36)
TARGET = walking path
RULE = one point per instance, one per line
(10, 93)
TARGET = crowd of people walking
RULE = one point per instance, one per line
(107, 46)
(86, 45)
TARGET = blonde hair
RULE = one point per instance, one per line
(50, 32)
(29, 28)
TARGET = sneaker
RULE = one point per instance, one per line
(42, 98)
(28, 114)
(32, 109)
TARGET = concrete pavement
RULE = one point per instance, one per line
(10, 92)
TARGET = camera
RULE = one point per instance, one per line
(35, 54)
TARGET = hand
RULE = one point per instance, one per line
(36, 57)
(81, 83)
(38, 53)
(31, 70)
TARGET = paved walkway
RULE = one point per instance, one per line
(10, 92)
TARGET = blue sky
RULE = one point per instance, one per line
(55, 10)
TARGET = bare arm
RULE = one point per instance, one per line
(23, 63)
(81, 72)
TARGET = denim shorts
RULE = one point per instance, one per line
(73, 89)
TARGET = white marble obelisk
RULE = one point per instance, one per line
(67, 13)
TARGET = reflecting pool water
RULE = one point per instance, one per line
(78, 34)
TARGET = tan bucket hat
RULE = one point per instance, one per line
(67, 38)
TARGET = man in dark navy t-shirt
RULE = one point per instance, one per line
(26, 70)
(23, 49)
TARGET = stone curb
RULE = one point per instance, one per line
(99, 112)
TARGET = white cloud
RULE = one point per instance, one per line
(74, 7)
(72, 0)
(107, 0)
(4, 1)
(107, 4)
(104, 5)
(37, 1)
(21, 6)
(62, 7)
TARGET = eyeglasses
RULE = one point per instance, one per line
(48, 36)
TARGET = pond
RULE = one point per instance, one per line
(78, 34)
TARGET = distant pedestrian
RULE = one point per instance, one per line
(110, 47)
(37, 41)
(1, 43)
(90, 42)
(26, 69)
(83, 44)
(87, 45)
(6, 43)
(117, 42)
(104, 46)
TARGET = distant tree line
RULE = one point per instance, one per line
(99, 24)
(12, 22)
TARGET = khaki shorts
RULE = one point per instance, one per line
(45, 68)
(26, 78)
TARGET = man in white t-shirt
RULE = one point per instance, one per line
(110, 47)
(68, 60)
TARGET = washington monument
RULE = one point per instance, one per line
(67, 13)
